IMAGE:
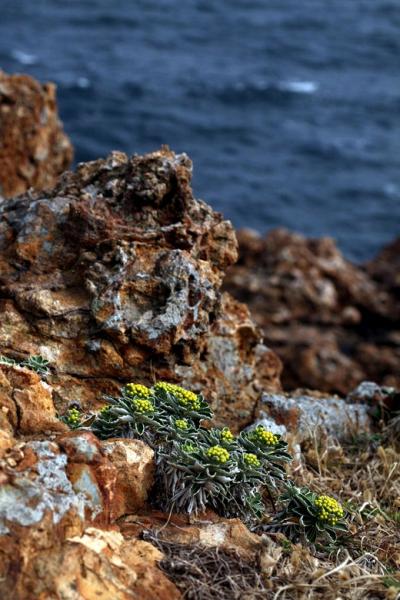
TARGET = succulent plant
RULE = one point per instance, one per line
(199, 467)
(269, 449)
(36, 363)
(306, 514)
(194, 476)
(72, 418)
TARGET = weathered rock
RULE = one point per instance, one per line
(134, 464)
(208, 529)
(35, 488)
(49, 492)
(304, 413)
(26, 402)
(115, 275)
(333, 324)
(92, 565)
(375, 396)
(34, 149)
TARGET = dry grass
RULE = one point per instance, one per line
(365, 476)
(204, 573)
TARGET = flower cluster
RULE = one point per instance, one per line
(329, 510)
(185, 398)
(251, 459)
(181, 424)
(218, 453)
(261, 436)
(141, 405)
(304, 514)
(138, 390)
(226, 435)
(72, 418)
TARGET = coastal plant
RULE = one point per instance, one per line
(307, 514)
(36, 363)
(200, 466)
(72, 418)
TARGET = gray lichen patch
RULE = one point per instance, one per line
(303, 414)
(26, 500)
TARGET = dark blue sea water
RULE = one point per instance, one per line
(290, 109)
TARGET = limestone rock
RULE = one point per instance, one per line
(91, 565)
(208, 529)
(134, 464)
(49, 493)
(26, 402)
(119, 269)
(307, 414)
(34, 149)
(333, 324)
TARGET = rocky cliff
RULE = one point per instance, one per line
(115, 275)
(34, 150)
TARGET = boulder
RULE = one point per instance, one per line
(34, 149)
(115, 276)
(332, 323)
(309, 415)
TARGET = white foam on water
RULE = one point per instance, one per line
(24, 58)
(299, 87)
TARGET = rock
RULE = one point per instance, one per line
(35, 488)
(332, 323)
(134, 464)
(375, 396)
(207, 530)
(119, 269)
(34, 149)
(95, 564)
(90, 473)
(49, 493)
(307, 414)
(26, 402)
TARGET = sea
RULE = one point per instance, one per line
(290, 110)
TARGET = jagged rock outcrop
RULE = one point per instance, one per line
(34, 150)
(333, 324)
(115, 276)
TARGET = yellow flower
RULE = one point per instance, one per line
(218, 454)
(138, 390)
(264, 437)
(187, 399)
(142, 406)
(181, 424)
(74, 416)
(227, 435)
(251, 460)
(329, 510)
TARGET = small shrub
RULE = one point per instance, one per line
(199, 467)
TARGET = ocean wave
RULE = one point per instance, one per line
(299, 87)
(247, 91)
(24, 58)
